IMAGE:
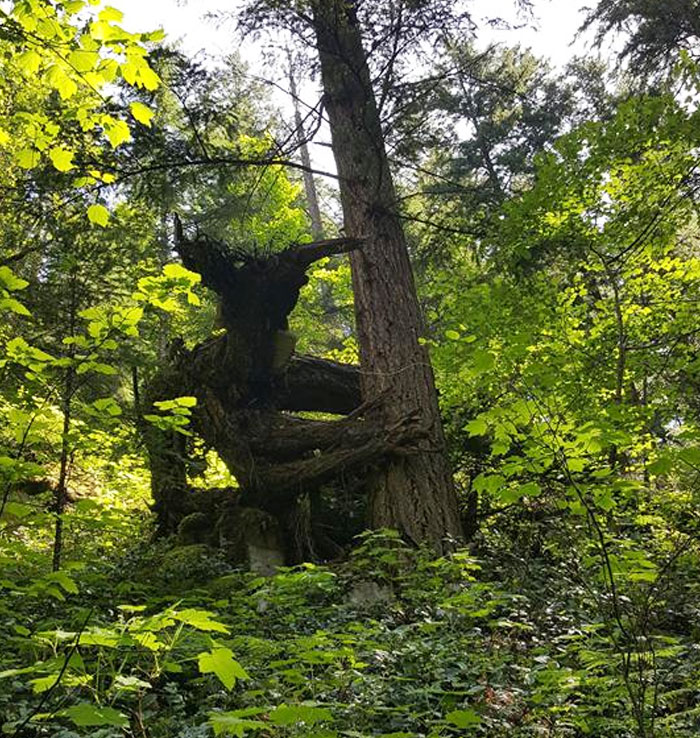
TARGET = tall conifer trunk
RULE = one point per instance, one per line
(413, 493)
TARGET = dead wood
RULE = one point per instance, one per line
(245, 408)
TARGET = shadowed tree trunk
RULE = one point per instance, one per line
(415, 493)
(246, 394)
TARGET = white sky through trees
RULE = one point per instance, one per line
(549, 33)
(556, 21)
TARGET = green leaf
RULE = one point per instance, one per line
(452, 335)
(490, 483)
(10, 281)
(660, 466)
(484, 361)
(463, 718)
(476, 427)
(28, 158)
(142, 113)
(604, 499)
(531, 489)
(200, 619)
(155, 36)
(83, 61)
(220, 661)
(28, 61)
(148, 78)
(129, 683)
(63, 580)
(235, 723)
(87, 715)
(131, 608)
(62, 158)
(117, 131)
(57, 77)
(15, 672)
(293, 714)
(98, 214)
(102, 368)
(575, 464)
(73, 6)
(690, 456)
(43, 684)
(177, 271)
(110, 14)
(18, 510)
(108, 405)
(103, 637)
(186, 401)
(136, 72)
(14, 306)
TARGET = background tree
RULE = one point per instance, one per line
(654, 33)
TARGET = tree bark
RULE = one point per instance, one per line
(414, 494)
(318, 385)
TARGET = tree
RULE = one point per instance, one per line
(656, 32)
(413, 493)
(312, 205)
(243, 384)
(491, 111)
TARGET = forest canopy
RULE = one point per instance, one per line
(405, 443)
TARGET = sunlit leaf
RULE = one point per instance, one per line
(142, 113)
(29, 61)
(62, 158)
(28, 158)
(200, 619)
(220, 662)
(83, 61)
(58, 78)
(111, 14)
(11, 281)
(117, 131)
(98, 214)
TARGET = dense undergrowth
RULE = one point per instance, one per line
(166, 642)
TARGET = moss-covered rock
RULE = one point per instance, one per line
(196, 528)
(187, 566)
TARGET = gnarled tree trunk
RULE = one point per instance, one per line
(245, 399)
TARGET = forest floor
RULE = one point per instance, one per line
(163, 642)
